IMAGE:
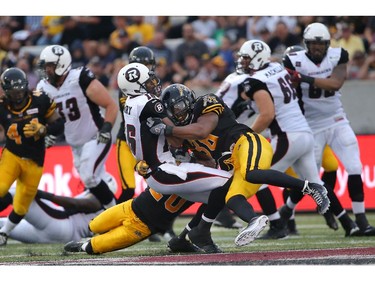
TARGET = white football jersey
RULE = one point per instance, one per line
(230, 91)
(82, 116)
(145, 145)
(276, 80)
(322, 108)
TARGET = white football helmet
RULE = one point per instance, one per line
(258, 53)
(136, 79)
(58, 55)
(316, 32)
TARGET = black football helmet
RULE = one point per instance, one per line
(179, 101)
(15, 85)
(292, 49)
(143, 55)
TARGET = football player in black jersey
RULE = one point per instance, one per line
(211, 128)
(131, 222)
(26, 118)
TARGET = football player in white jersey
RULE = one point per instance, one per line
(57, 219)
(270, 90)
(79, 97)
(275, 100)
(319, 74)
(191, 181)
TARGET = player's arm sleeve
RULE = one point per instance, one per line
(251, 86)
(85, 78)
(287, 63)
(344, 58)
(84, 205)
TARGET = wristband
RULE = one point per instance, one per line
(168, 130)
(307, 79)
(106, 128)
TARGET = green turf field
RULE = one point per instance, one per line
(314, 234)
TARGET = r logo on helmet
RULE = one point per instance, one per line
(132, 75)
(57, 50)
(257, 47)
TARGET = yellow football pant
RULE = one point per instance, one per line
(26, 172)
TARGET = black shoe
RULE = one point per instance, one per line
(319, 194)
(352, 230)
(368, 231)
(181, 245)
(3, 239)
(154, 238)
(365, 228)
(292, 228)
(330, 220)
(212, 249)
(275, 233)
(203, 241)
(73, 247)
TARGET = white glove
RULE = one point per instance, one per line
(104, 135)
(49, 140)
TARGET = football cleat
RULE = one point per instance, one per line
(275, 233)
(352, 230)
(330, 220)
(203, 241)
(3, 239)
(319, 194)
(368, 231)
(252, 231)
(73, 247)
(181, 245)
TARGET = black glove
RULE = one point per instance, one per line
(157, 127)
(297, 77)
(104, 135)
(49, 140)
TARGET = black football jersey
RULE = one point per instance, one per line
(226, 133)
(39, 108)
(158, 210)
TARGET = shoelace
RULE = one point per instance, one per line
(313, 192)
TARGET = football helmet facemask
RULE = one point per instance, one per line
(15, 85)
(179, 101)
(254, 55)
(136, 79)
(57, 56)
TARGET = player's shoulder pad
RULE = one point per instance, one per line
(211, 103)
(157, 105)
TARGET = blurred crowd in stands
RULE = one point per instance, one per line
(199, 51)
